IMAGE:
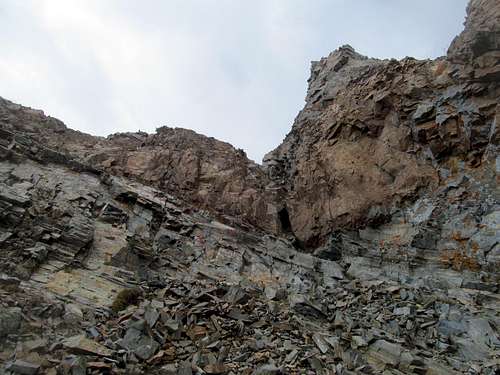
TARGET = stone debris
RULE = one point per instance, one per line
(82, 345)
(22, 367)
(10, 320)
(198, 325)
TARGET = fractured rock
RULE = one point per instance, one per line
(81, 345)
(23, 367)
(140, 343)
(10, 320)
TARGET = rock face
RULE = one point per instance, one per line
(377, 134)
(367, 242)
(478, 44)
(393, 165)
(203, 171)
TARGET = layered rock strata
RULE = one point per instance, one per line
(367, 242)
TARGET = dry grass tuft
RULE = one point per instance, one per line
(126, 298)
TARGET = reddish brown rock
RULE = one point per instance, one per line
(479, 43)
(374, 134)
(201, 170)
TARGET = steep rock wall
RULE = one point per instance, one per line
(200, 170)
(377, 135)
(377, 142)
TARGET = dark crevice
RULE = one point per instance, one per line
(284, 218)
(287, 230)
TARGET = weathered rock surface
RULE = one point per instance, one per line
(368, 242)
(203, 171)
(375, 135)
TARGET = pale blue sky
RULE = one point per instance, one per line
(235, 70)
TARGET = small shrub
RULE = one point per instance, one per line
(126, 298)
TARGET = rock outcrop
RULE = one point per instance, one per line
(394, 164)
(200, 170)
(367, 242)
(376, 134)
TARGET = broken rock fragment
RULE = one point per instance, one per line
(81, 345)
(10, 320)
(138, 341)
(23, 368)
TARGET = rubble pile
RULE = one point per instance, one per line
(198, 326)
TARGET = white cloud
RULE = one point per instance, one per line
(235, 70)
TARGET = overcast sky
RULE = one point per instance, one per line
(232, 69)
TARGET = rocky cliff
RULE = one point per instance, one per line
(203, 171)
(367, 242)
(396, 161)
(376, 134)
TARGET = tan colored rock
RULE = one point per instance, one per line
(82, 345)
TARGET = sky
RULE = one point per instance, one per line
(230, 69)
